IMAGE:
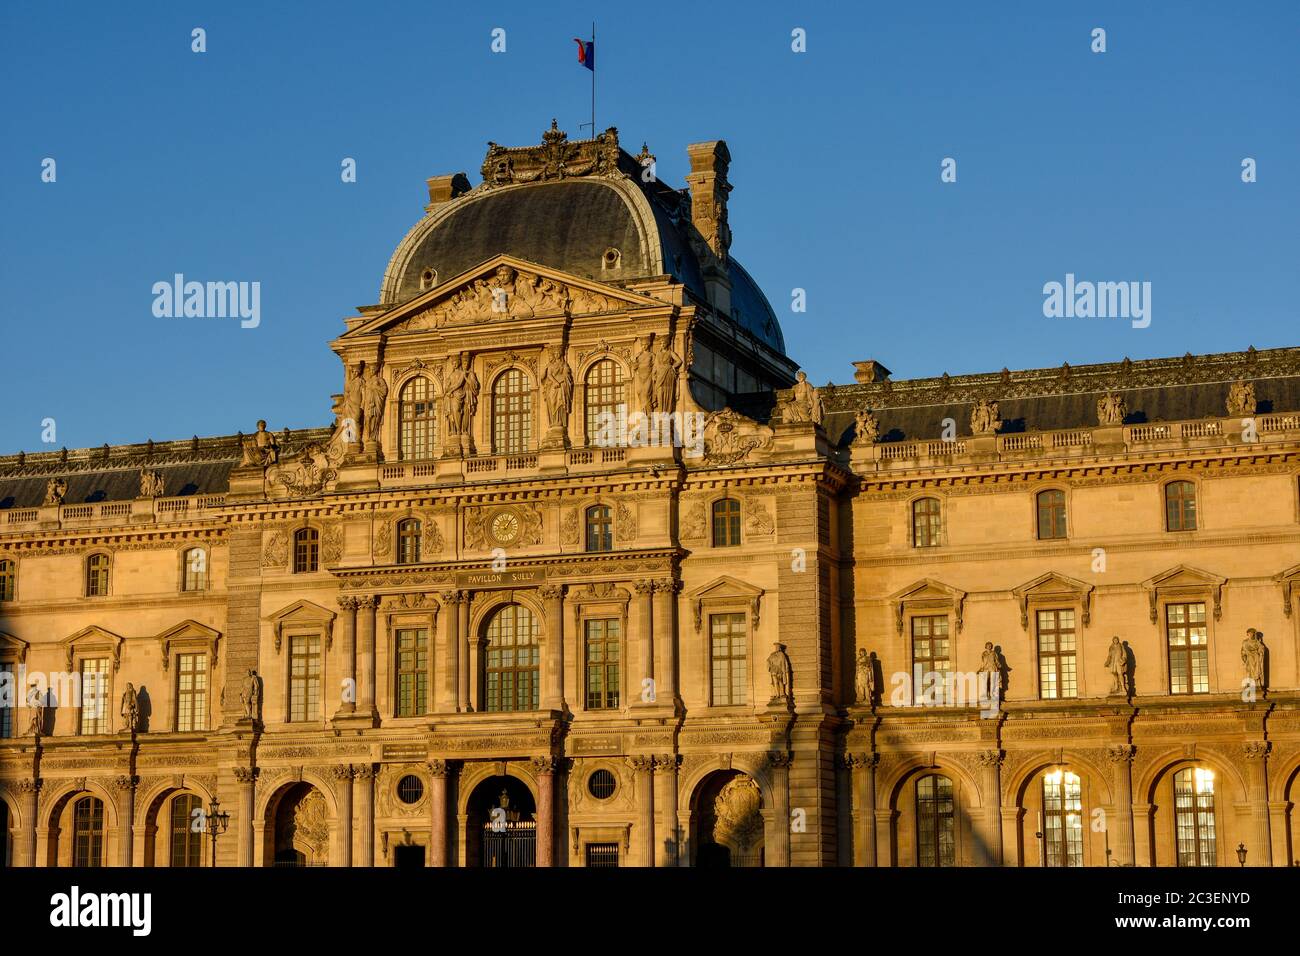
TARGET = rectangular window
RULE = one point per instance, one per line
(94, 696)
(729, 643)
(191, 692)
(412, 672)
(7, 706)
(601, 638)
(1189, 652)
(1057, 674)
(931, 659)
(304, 678)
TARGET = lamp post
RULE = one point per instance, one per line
(216, 823)
(1241, 853)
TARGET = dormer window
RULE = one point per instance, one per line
(428, 279)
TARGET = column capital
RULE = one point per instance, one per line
(641, 763)
(28, 785)
(125, 782)
(546, 766)
(989, 759)
(247, 774)
(779, 759)
(364, 772)
(347, 603)
(666, 585)
(643, 587)
(667, 763)
(551, 592)
(1120, 753)
(1256, 749)
(439, 768)
(342, 771)
(860, 761)
(366, 602)
(453, 597)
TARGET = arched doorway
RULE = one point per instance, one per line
(727, 821)
(174, 831)
(6, 838)
(298, 827)
(501, 824)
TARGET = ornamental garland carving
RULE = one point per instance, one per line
(275, 553)
(626, 523)
(570, 531)
(331, 542)
(758, 520)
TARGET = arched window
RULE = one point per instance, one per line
(1180, 506)
(8, 576)
(416, 420)
(726, 523)
(194, 575)
(1063, 818)
(1194, 816)
(408, 541)
(187, 843)
(97, 575)
(936, 843)
(512, 413)
(925, 523)
(512, 660)
(1051, 514)
(88, 832)
(600, 529)
(605, 403)
(306, 550)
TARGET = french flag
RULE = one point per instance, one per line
(586, 53)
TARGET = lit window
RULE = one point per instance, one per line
(729, 646)
(726, 523)
(306, 550)
(94, 696)
(1180, 506)
(936, 843)
(1189, 652)
(925, 523)
(416, 420)
(512, 660)
(602, 641)
(1063, 818)
(195, 573)
(1057, 674)
(1051, 514)
(512, 413)
(600, 529)
(1194, 816)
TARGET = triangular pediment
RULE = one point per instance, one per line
(725, 589)
(928, 593)
(191, 632)
(1053, 587)
(1184, 581)
(13, 647)
(503, 289)
(303, 612)
(1289, 580)
(93, 638)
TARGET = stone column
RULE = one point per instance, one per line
(348, 605)
(125, 785)
(863, 770)
(247, 777)
(643, 794)
(544, 768)
(365, 785)
(366, 655)
(779, 762)
(989, 833)
(467, 663)
(1122, 846)
(667, 847)
(665, 641)
(1261, 843)
(645, 658)
(438, 770)
(449, 700)
(553, 667)
(31, 790)
(343, 774)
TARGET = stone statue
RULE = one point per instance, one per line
(865, 681)
(778, 668)
(460, 396)
(1117, 664)
(984, 418)
(805, 402)
(374, 395)
(151, 484)
(1252, 656)
(989, 664)
(261, 448)
(1111, 410)
(557, 389)
(643, 380)
(55, 489)
(36, 704)
(866, 428)
(251, 695)
(667, 365)
(354, 399)
(130, 710)
(1241, 399)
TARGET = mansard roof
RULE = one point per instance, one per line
(1047, 399)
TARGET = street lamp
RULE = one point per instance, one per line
(217, 822)
(1241, 853)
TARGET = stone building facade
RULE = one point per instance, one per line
(585, 573)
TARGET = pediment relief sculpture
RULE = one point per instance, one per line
(730, 437)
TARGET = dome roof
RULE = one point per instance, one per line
(578, 207)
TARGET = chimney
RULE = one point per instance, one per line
(443, 189)
(869, 371)
(709, 188)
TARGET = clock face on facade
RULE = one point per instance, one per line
(505, 527)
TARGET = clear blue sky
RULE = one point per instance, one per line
(225, 166)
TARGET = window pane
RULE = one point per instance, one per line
(94, 696)
(729, 644)
(191, 692)
(513, 660)
(304, 678)
(417, 420)
(935, 835)
(412, 672)
(512, 413)
(605, 403)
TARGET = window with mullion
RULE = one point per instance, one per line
(1051, 514)
(186, 843)
(412, 671)
(726, 523)
(512, 413)
(8, 574)
(94, 696)
(97, 575)
(931, 654)
(417, 420)
(602, 656)
(600, 528)
(605, 403)
(1057, 673)
(1180, 506)
(306, 550)
(408, 541)
(191, 692)
(936, 843)
(1189, 653)
(926, 523)
(513, 660)
(88, 832)
(1194, 816)
(1063, 818)
(729, 655)
(304, 677)
(7, 708)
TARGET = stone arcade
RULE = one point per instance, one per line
(461, 627)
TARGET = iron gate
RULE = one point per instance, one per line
(602, 854)
(514, 845)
